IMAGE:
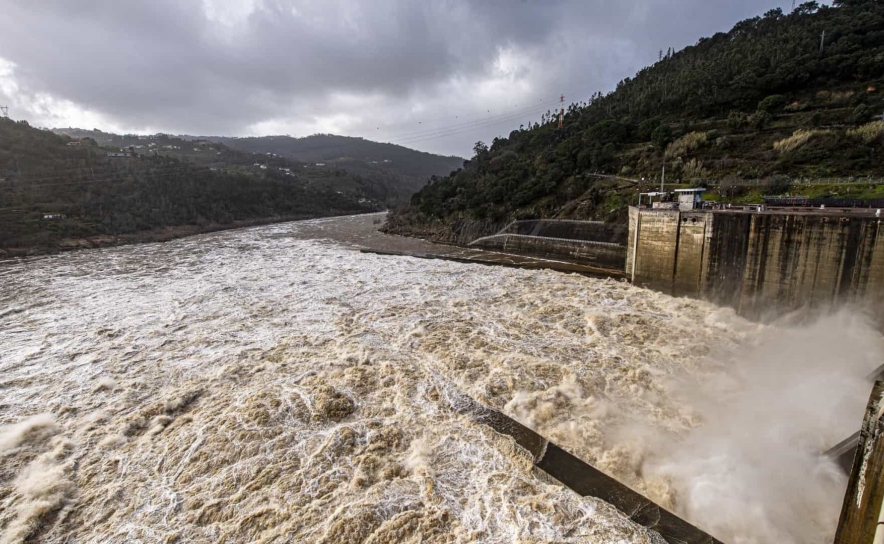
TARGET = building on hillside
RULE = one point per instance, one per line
(75, 143)
(118, 155)
(53, 216)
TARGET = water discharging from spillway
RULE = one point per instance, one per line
(273, 384)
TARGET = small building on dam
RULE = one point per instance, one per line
(762, 259)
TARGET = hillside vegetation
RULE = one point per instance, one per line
(354, 154)
(770, 99)
(89, 195)
(364, 180)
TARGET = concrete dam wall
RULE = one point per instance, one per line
(590, 243)
(758, 262)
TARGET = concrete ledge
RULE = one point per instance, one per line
(583, 478)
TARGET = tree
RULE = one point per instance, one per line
(480, 149)
(647, 128)
(808, 8)
(662, 136)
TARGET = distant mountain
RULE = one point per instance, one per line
(394, 172)
(777, 97)
(414, 166)
(55, 189)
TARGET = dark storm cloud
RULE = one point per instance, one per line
(235, 67)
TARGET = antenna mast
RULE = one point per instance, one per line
(562, 113)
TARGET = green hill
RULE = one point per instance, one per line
(383, 172)
(773, 98)
(383, 186)
(55, 190)
(357, 154)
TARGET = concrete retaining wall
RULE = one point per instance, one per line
(756, 262)
(596, 254)
(591, 231)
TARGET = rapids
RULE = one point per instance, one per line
(274, 384)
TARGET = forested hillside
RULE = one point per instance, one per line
(55, 195)
(362, 179)
(357, 154)
(783, 95)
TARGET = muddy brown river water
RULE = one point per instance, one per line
(275, 384)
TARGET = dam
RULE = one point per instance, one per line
(755, 261)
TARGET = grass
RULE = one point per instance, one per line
(687, 143)
(756, 194)
(869, 132)
(796, 140)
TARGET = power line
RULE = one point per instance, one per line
(531, 109)
(536, 107)
(442, 133)
(458, 132)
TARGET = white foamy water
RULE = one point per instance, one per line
(273, 385)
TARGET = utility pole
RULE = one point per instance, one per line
(663, 179)
(562, 113)
(822, 42)
(5, 110)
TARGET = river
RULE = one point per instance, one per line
(276, 384)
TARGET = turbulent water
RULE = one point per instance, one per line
(274, 384)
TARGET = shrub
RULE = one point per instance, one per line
(759, 119)
(772, 104)
(861, 114)
(796, 140)
(815, 120)
(777, 185)
(869, 132)
(687, 143)
(737, 120)
(733, 189)
(834, 97)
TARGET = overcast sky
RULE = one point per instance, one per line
(416, 72)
